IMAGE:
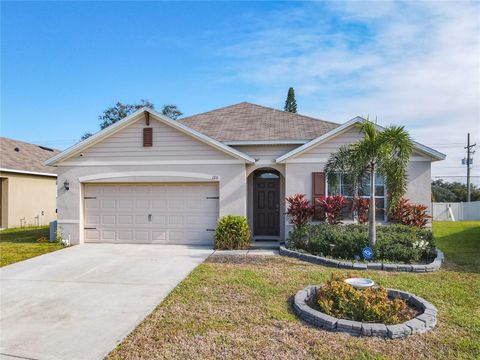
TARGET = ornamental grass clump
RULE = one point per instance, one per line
(341, 300)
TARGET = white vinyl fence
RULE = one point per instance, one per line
(457, 211)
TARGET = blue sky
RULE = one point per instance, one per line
(409, 63)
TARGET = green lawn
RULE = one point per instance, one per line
(240, 308)
(460, 241)
(22, 243)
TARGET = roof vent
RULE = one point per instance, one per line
(17, 149)
(45, 148)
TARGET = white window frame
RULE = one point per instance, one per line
(355, 218)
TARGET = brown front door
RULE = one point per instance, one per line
(266, 204)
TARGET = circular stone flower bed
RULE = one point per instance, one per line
(425, 321)
(344, 264)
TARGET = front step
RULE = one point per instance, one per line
(267, 245)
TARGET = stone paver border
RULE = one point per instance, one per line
(422, 323)
(417, 268)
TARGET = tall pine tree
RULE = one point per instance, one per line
(291, 103)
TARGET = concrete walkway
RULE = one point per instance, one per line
(248, 252)
(80, 302)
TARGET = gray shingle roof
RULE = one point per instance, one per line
(29, 157)
(251, 122)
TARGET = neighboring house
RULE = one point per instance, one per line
(28, 187)
(149, 179)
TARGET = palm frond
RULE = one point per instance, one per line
(398, 148)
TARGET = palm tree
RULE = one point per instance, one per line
(385, 152)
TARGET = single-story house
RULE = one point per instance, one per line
(28, 187)
(149, 179)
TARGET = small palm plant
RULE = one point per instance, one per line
(385, 152)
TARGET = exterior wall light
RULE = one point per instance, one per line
(66, 184)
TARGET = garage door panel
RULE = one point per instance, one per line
(142, 204)
(141, 219)
(125, 235)
(159, 204)
(92, 235)
(159, 235)
(125, 204)
(194, 204)
(109, 220)
(175, 220)
(109, 235)
(176, 204)
(108, 204)
(142, 236)
(93, 191)
(125, 219)
(110, 191)
(180, 213)
(92, 220)
(158, 219)
(142, 190)
(193, 220)
(92, 204)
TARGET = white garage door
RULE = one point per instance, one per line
(151, 213)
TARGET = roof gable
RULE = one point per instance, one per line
(250, 122)
(115, 128)
(433, 154)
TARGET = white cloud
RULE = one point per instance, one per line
(408, 63)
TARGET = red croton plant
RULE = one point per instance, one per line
(332, 206)
(360, 207)
(299, 209)
(407, 213)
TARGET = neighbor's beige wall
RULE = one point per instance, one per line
(25, 197)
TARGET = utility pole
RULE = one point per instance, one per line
(469, 152)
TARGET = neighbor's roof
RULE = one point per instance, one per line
(251, 122)
(19, 156)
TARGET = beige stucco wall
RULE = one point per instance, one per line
(108, 162)
(122, 158)
(419, 188)
(27, 199)
(298, 179)
(265, 156)
(230, 177)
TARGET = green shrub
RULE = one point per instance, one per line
(338, 299)
(404, 243)
(232, 232)
(398, 243)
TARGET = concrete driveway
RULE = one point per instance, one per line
(80, 302)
